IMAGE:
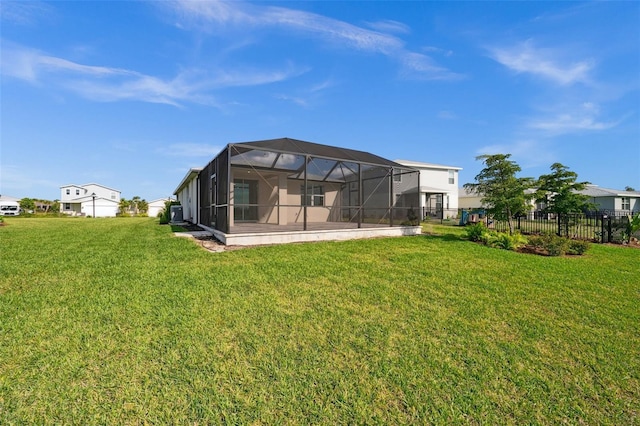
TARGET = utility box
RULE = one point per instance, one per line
(176, 214)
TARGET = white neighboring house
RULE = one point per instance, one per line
(438, 188)
(91, 199)
(156, 206)
(187, 193)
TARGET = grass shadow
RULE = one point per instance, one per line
(447, 237)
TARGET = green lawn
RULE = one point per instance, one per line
(115, 321)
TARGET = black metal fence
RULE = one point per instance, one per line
(602, 227)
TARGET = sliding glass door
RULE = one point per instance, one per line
(245, 200)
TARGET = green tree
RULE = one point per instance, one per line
(503, 193)
(559, 191)
(135, 201)
(143, 206)
(124, 206)
(629, 188)
(28, 204)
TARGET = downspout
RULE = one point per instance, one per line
(391, 204)
(304, 195)
(229, 184)
(360, 197)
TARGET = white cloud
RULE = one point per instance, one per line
(528, 153)
(201, 16)
(390, 26)
(22, 181)
(544, 62)
(447, 115)
(438, 50)
(108, 84)
(584, 117)
(24, 12)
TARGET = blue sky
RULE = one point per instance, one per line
(132, 94)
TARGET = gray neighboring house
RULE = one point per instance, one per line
(605, 200)
(613, 200)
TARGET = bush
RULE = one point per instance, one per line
(556, 246)
(550, 243)
(578, 247)
(536, 241)
(504, 241)
(412, 218)
(476, 231)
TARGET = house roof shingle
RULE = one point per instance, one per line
(296, 146)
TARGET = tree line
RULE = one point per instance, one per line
(505, 195)
(135, 206)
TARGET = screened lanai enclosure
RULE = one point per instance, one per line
(291, 185)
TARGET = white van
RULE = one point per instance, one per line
(9, 208)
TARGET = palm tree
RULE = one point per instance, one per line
(143, 206)
(124, 206)
(135, 201)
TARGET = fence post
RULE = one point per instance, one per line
(602, 218)
(559, 233)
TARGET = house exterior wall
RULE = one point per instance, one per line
(606, 203)
(615, 203)
(435, 180)
(469, 202)
(328, 212)
(103, 208)
(157, 206)
(79, 200)
(279, 198)
(188, 198)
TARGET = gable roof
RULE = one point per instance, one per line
(73, 185)
(596, 191)
(418, 164)
(295, 146)
(191, 174)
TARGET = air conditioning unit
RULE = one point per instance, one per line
(176, 214)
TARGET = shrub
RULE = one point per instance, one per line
(553, 244)
(536, 241)
(475, 232)
(504, 241)
(556, 246)
(578, 247)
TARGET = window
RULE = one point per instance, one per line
(452, 177)
(397, 176)
(68, 191)
(315, 195)
(626, 203)
(245, 199)
(113, 195)
(67, 206)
